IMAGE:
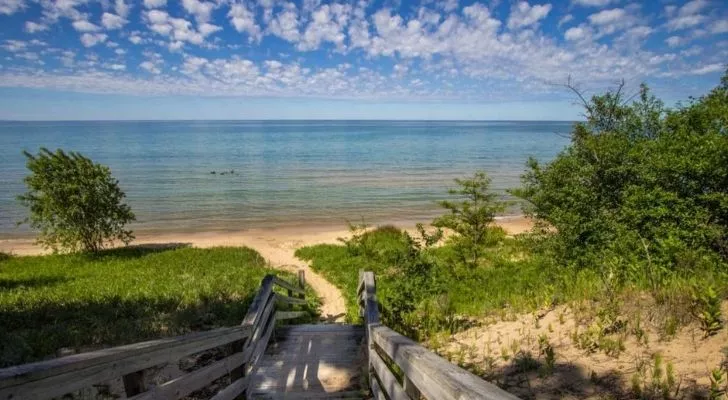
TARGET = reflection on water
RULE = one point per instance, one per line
(285, 173)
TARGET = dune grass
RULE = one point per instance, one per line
(510, 278)
(67, 303)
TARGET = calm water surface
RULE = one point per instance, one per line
(285, 172)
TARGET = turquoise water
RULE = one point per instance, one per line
(285, 172)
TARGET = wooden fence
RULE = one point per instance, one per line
(245, 344)
(422, 374)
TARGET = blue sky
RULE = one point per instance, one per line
(449, 59)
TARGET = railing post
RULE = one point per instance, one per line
(301, 282)
(411, 389)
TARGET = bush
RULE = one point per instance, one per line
(471, 216)
(641, 186)
(75, 203)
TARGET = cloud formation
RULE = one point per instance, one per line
(355, 49)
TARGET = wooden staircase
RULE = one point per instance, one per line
(312, 362)
(261, 359)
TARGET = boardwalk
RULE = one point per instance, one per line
(261, 359)
(312, 361)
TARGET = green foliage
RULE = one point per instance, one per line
(706, 303)
(471, 216)
(549, 355)
(656, 381)
(75, 203)
(80, 302)
(718, 384)
(641, 188)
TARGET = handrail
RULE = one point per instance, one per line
(424, 374)
(247, 342)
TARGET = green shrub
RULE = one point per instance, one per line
(707, 309)
(640, 186)
(471, 217)
(75, 203)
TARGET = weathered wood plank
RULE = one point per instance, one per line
(435, 377)
(192, 381)
(287, 285)
(289, 300)
(115, 363)
(376, 390)
(371, 307)
(389, 383)
(233, 390)
(411, 389)
(302, 282)
(283, 315)
(260, 301)
(34, 371)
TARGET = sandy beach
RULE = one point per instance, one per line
(275, 244)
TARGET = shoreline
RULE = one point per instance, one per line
(270, 242)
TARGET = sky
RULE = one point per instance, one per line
(356, 59)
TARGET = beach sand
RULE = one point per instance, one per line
(275, 245)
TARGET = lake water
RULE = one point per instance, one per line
(285, 172)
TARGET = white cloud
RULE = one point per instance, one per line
(150, 67)
(14, 45)
(136, 39)
(448, 5)
(710, 68)
(720, 26)
(206, 29)
(200, 9)
(607, 17)
(9, 7)
(524, 15)
(121, 8)
(327, 25)
(33, 27)
(674, 41)
(85, 26)
(592, 3)
(565, 19)
(92, 39)
(285, 25)
(686, 16)
(155, 3)
(243, 20)
(112, 21)
(578, 33)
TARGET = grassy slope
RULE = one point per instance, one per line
(512, 280)
(80, 302)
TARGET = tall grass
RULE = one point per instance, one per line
(68, 303)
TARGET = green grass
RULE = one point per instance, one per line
(510, 278)
(81, 302)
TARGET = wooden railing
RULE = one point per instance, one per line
(245, 344)
(422, 374)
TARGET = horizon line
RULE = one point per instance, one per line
(287, 119)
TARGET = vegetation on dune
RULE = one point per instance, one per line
(80, 302)
(633, 212)
(74, 203)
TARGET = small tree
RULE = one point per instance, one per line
(75, 203)
(472, 216)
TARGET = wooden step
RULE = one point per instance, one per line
(311, 362)
(313, 396)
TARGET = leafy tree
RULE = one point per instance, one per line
(75, 203)
(640, 185)
(471, 216)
